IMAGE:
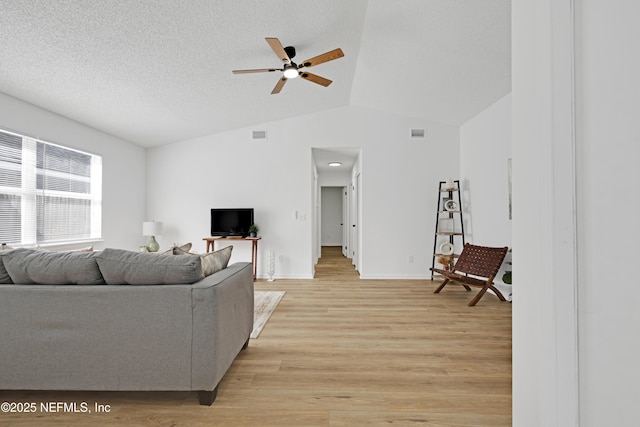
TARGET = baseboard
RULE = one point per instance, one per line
(285, 276)
(362, 277)
(395, 277)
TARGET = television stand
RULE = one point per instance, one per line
(210, 247)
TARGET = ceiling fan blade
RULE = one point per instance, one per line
(279, 86)
(316, 79)
(260, 70)
(278, 49)
(325, 57)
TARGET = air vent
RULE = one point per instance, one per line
(418, 133)
(259, 134)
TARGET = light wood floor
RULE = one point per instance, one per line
(339, 351)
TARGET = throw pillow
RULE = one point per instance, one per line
(186, 248)
(212, 262)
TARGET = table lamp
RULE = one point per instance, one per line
(153, 229)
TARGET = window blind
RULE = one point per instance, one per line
(48, 193)
(10, 188)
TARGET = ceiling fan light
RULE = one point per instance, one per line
(335, 164)
(291, 72)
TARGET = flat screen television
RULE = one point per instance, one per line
(231, 222)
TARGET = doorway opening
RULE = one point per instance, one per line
(336, 209)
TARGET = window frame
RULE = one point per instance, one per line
(29, 195)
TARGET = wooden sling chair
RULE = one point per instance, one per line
(477, 266)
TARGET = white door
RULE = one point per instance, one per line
(331, 216)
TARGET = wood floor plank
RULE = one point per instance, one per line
(339, 351)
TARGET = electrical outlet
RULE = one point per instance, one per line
(410, 259)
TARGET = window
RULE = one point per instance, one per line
(48, 193)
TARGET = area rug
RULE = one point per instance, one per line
(265, 302)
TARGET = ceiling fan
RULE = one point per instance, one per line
(291, 69)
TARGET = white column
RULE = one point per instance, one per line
(545, 332)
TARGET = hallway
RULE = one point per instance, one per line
(333, 264)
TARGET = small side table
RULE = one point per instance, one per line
(211, 241)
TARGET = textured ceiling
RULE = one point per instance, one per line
(155, 72)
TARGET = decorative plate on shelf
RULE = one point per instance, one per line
(451, 205)
(446, 248)
(449, 185)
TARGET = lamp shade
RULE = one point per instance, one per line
(151, 228)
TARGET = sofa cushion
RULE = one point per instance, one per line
(212, 262)
(121, 267)
(34, 266)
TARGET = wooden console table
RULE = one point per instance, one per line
(210, 246)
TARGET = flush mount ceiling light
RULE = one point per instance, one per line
(335, 164)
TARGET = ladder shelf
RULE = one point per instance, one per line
(448, 238)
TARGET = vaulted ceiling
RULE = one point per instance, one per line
(158, 71)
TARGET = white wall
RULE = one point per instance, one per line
(400, 179)
(334, 179)
(123, 167)
(485, 147)
(608, 175)
(399, 182)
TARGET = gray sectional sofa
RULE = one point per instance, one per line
(120, 320)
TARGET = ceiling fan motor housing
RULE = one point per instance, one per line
(290, 51)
